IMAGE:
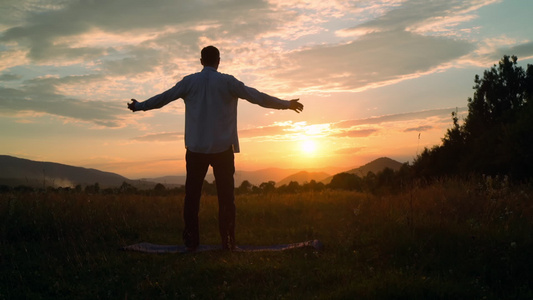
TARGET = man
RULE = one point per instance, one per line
(211, 137)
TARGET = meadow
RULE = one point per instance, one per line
(452, 239)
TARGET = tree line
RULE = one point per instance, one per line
(387, 180)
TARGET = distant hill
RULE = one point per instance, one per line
(303, 177)
(17, 171)
(374, 166)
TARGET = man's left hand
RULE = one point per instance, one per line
(296, 106)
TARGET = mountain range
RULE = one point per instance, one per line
(17, 171)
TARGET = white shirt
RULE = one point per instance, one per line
(211, 108)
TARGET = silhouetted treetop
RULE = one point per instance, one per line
(495, 137)
(499, 96)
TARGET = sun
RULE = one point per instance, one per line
(309, 147)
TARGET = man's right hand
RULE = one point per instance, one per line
(131, 105)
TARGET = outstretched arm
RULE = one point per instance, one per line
(158, 101)
(242, 91)
(296, 105)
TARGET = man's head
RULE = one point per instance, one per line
(210, 57)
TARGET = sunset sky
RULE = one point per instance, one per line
(377, 78)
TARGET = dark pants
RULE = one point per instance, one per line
(223, 168)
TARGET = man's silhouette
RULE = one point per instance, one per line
(211, 137)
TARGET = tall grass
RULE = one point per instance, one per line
(450, 240)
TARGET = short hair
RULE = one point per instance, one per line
(210, 55)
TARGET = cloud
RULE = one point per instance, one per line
(11, 58)
(271, 130)
(9, 77)
(520, 50)
(351, 128)
(423, 17)
(442, 113)
(525, 49)
(409, 39)
(161, 137)
(45, 100)
(419, 128)
(490, 50)
(138, 60)
(43, 30)
(373, 60)
(355, 133)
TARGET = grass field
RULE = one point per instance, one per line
(451, 240)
